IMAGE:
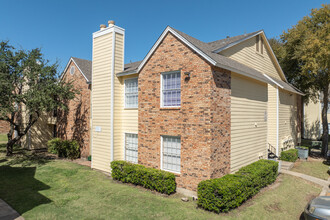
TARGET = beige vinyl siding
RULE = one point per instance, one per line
(245, 53)
(272, 116)
(101, 102)
(287, 118)
(248, 125)
(125, 120)
(312, 120)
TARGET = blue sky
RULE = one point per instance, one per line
(64, 28)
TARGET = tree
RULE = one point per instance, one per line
(304, 54)
(28, 83)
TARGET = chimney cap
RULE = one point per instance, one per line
(102, 26)
(111, 22)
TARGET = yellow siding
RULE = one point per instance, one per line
(101, 102)
(125, 120)
(272, 116)
(287, 119)
(312, 120)
(248, 124)
(246, 53)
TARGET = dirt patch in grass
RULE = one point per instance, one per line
(274, 207)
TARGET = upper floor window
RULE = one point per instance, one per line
(259, 44)
(131, 93)
(171, 89)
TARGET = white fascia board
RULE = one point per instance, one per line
(127, 73)
(273, 54)
(261, 79)
(236, 42)
(273, 81)
(169, 29)
(67, 66)
(109, 30)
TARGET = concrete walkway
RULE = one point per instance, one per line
(8, 213)
(315, 180)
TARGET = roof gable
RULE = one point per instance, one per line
(206, 51)
(267, 46)
(84, 67)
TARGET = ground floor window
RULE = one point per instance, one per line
(131, 147)
(171, 153)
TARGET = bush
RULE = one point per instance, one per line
(64, 148)
(230, 191)
(72, 149)
(55, 146)
(289, 155)
(150, 178)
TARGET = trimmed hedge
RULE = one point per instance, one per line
(64, 148)
(150, 178)
(289, 155)
(231, 190)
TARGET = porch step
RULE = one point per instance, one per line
(285, 165)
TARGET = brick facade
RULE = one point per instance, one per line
(4, 127)
(75, 123)
(202, 121)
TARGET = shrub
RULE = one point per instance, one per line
(231, 190)
(55, 146)
(150, 178)
(64, 148)
(72, 149)
(289, 155)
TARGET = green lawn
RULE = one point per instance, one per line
(317, 169)
(42, 189)
(3, 138)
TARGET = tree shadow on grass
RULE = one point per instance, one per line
(20, 189)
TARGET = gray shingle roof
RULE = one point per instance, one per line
(218, 44)
(222, 61)
(85, 66)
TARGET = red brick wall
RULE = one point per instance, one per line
(4, 127)
(75, 123)
(202, 121)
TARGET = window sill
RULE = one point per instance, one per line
(170, 108)
(130, 108)
(175, 173)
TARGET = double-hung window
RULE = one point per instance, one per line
(131, 147)
(171, 153)
(171, 89)
(131, 93)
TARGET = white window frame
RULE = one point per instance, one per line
(125, 107)
(161, 153)
(161, 89)
(125, 146)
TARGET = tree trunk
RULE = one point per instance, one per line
(325, 134)
(10, 142)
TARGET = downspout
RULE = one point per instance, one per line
(112, 91)
(277, 121)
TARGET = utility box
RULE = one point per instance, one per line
(302, 153)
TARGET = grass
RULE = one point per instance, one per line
(3, 138)
(316, 168)
(48, 189)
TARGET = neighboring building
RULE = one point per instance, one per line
(71, 124)
(75, 123)
(312, 121)
(4, 127)
(199, 110)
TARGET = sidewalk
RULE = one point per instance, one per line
(7, 212)
(325, 184)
